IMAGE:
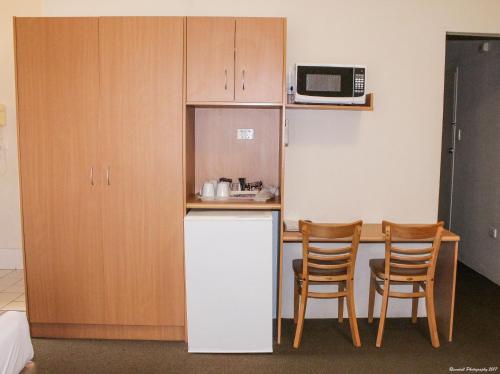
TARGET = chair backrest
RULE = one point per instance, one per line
(329, 258)
(412, 258)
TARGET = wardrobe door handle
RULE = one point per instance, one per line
(225, 79)
(243, 79)
(108, 175)
(92, 176)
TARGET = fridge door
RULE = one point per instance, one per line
(229, 285)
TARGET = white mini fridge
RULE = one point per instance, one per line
(230, 260)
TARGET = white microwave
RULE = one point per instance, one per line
(330, 84)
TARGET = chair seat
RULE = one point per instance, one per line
(297, 268)
(377, 265)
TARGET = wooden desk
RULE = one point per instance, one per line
(370, 233)
(444, 280)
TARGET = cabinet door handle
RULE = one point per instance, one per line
(92, 176)
(108, 175)
(243, 79)
(225, 79)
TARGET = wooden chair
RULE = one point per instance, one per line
(326, 266)
(406, 266)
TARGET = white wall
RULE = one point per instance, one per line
(340, 165)
(10, 221)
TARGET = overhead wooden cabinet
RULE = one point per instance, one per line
(259, 60)
(100, 134)
(210, 58)
(235, 59)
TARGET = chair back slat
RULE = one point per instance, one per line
(401, 265)
(411, 231)
(412, 258)
(315, 265)
(329, 250)
(337, 259)
(345, 256)
(411, 251)
(328, 230)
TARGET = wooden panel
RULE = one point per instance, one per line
(220, 154)
(210, 59)
(370, 233)
(282, 183)
(58, 90)
(444, 288)
(230, 104)
(77, 331)
(141, 62)
(194, 202)
(368, 106)
(190, 150)
(259, 60)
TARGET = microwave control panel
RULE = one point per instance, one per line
(359, 82)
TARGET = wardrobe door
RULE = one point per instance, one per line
(259, 60)
(210, 59)
(141, 66)
(58, 90)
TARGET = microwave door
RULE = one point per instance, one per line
(325, 81)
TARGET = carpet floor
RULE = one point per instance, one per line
(326, 346)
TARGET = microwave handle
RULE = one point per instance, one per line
(353, 80)
(243, 79)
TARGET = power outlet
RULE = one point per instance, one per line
(493, 232)
(245, 134)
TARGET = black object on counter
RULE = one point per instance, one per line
(254, 186)
(243, 183)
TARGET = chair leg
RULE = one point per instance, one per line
(353, 322)
(383, 313)
(414, 304)
(341, 303)
(431, 315)
(296, 291)
(371, 298)
(301, 314)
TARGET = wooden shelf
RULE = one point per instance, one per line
(194, 202)
(368, 106)
(370, 233)
(230, 104)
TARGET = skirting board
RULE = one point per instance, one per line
(50, 330)
(11, 258)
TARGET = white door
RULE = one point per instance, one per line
(229, 281)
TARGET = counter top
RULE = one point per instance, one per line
(370, 233)
(193, 202)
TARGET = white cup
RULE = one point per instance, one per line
(214, 182)
(222, 190)
(208, 191)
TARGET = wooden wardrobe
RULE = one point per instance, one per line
(100, 116)
(113, 114)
